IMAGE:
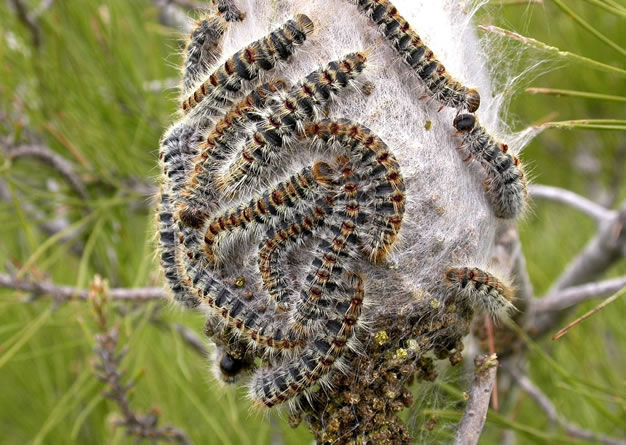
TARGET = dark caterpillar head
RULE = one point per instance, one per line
(473, 100)
(230, 366)
(464, 122)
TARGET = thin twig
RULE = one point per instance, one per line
(191, 339)
(579, 320)
(577, 294)
(29, 21)
(107, 369)
(143, 426)
(599, 254)
(572, 199)
(48, 227)
(43, 7)
(547, 407)
(67, 293)
(54, 160)
(475, 415)
(604, 249)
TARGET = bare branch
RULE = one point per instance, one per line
(473, 420)
(604, 249)
(578, 294)
(572, 199)
(547, 407)
(143, 426)
(66, 293)
(45, 225)
(54, 160)
(509, 257)
(28, 21)
(191, 339)
(599, 254)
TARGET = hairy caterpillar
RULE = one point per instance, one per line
(407, 43)
(245, 64)
(506, 183)
(482, 289)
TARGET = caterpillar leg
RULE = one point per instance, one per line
(481, 290)
(506, 184)
(408, 44)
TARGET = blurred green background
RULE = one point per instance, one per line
(91, 92)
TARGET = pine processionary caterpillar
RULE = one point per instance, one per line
(373, 164)
(199, 189)
(202, 51)
(482, 289)
(273, 386)
(267, 208)
(229, 11)
(506, 183)
(301, 105)
(407, 43)
(245, 64)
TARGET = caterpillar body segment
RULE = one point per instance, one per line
(168, 246)
(202, 51)
(246, 63)
(376, 179)
(506, 183)
(407, 43)
(281, 241)
(270, 207)
(176, 149)
(200, 188)
(240, 312)
(301, 105)
(272, 386)
(482, 289)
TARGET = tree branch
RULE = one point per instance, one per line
(590, 208)
(547, 407)
(57, 162)
(142, 426)
(604, 249)
(473, 420)
(577, 294)
(29, 21)
(67, 293)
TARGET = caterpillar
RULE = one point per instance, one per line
(301, 105)
(482, 289)
(506, 184)
(246, 63)
(407, 43)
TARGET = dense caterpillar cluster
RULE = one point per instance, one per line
(281, 255)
